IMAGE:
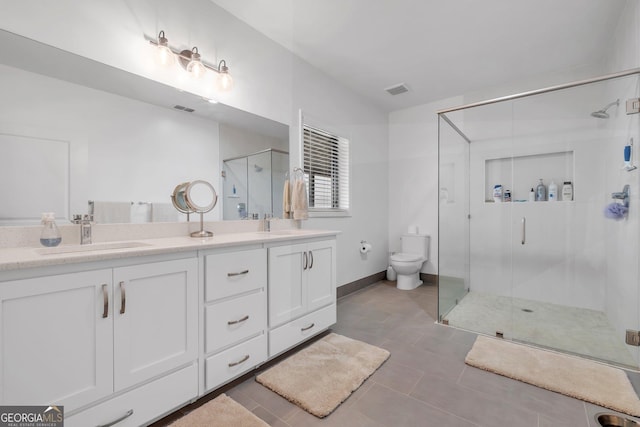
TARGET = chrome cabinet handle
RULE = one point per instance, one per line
(244, 359)
(123, 298)
(311, 258)
(308, 327)
(122, 418)
(234, 322)
(306, 261)
(105, 299)
(238, 274)
(524, 231)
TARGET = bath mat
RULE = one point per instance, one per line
(570, 375)
(222, 411)
(321, 376)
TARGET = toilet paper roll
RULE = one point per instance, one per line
(412, 229)
(365, 247)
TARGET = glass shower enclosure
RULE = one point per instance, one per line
(560, 274)
(253, 184)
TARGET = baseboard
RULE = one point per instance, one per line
(429, 279)
(352, 287)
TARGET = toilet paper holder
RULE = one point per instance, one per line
(365, 247)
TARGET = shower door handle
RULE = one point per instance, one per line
(523, 233)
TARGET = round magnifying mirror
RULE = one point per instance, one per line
(178, 198)
(200, 196)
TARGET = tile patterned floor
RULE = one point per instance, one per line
(425, 381)
(571, 329)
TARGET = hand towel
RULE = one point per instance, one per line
(111, 212)
(299, 204)
(286, 200)
(163, 212)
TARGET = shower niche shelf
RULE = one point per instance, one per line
(520, 173)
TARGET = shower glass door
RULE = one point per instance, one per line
(556, 274)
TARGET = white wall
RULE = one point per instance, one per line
(269, 81)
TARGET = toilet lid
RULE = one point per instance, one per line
(405, 257)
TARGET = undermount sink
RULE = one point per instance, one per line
(69, 249)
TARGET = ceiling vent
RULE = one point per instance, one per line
(182, 108)
(397, 89)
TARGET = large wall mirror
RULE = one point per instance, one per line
(77, 135)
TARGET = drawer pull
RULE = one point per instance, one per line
(244, 359)
(122, 418)
(105, 299)
(311, 258)
(305, 260)
(308, 327)
(235, 322)
(123, 298)
(238, 274)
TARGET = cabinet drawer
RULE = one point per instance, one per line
(231, 273)
(231, 321)
(148, 402)
(288, 335)
(242, 358)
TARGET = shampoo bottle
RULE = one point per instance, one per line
(532, 195)
(541, 192)
(553, 192)
(567, 191)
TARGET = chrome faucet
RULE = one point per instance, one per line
(85, 227)
(267, 222)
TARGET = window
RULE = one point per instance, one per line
(326, 169)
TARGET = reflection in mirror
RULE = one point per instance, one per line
(253, 184)
(95, 133)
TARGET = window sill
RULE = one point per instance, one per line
(329, 213)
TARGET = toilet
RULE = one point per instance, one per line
(408, 263)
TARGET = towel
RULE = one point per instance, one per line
(286, 200)
(299, 204)
(615, 211)
(163, 212)
(140, 212)
(111, 212)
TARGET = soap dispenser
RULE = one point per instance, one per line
(50, 235)
(541, 192)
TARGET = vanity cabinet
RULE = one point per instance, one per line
(302, 292)
(235, 313)
(81, 338)
(57, 339)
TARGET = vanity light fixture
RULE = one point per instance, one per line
(191, 61)
(165, 55)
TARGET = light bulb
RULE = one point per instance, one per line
(224, 81)
(165, 56)
(195, 66)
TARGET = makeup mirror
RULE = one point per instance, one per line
(200, 197)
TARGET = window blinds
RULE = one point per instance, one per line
(326, 169)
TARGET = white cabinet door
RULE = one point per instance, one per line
(321, 274)
(56, 339)
(287, 293)
(155, 320)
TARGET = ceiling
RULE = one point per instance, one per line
(438, 48)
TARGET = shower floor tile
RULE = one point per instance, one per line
(575, 330)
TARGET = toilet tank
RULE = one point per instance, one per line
(416, 244)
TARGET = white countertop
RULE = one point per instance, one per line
(30, 257)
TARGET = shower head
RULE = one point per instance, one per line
(602, 114)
